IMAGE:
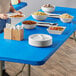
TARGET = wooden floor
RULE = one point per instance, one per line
(62, 63)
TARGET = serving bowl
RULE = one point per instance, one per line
(39, 17)
(29, 25)
(48, 9)
(66, 20)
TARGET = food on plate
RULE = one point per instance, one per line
(66, 16)
(19, 15)
(29, 22)
(39, 13)
(59, 28)
(48, 6)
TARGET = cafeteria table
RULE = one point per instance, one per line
(22, 52)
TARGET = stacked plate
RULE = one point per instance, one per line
(40, 40)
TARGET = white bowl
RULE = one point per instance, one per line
(48, 9)
(40, 40)
(66, 20)
(39, 17)
(26, 26)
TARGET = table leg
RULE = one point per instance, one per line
(20, 70)
(29, 70)
(0, 68)
(74, 37)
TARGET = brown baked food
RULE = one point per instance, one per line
(29, 22)
(17, 16)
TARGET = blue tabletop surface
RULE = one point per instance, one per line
(20, 5)
(22, 52)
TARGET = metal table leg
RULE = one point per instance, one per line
(29, 70)
(20, 70)
(74, 37)
(0, 68)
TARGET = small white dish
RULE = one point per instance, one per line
(48, 9)
(26, 26)
(39, 17)
(66, 20)
(55, 31)
(40, 40)
(12, 14)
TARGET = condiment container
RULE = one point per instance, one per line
(13, 32)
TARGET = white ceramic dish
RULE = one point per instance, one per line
(66, 20)
(12, 14)
(55, 31)
(40, 40)
(26, 26)
(39, 17)
(48, 9)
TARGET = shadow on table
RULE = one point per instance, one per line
(59, 12)
(74, 22)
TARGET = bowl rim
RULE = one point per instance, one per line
(30, 24)
(48, 7)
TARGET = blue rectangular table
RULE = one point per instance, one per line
(22, 52)
(20, 5)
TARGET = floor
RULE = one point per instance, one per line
(62, 63)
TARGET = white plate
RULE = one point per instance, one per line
(40, 40)
(12, 14)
